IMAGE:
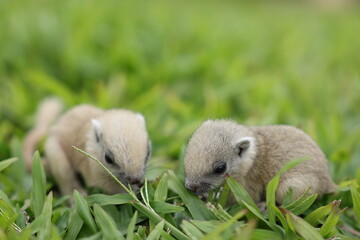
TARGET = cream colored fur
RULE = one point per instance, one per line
(269, 149)
(47, 112)
(97, 131)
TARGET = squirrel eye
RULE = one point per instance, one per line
(220, 169)
(109, 159)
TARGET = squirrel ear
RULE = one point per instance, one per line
(97, 129)
(243, 144)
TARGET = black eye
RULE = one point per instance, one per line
(109, 159)
(220, 169)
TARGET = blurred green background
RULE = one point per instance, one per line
(182, 62)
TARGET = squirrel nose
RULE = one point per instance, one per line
(192, 187)
(134, 181)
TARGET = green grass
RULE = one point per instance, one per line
(180, 63)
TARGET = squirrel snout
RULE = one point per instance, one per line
(198, 188)
(135, 181)
(192, 187)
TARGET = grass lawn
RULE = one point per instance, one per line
(180, 63)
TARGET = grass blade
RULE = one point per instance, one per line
(156, 218)
(206, 226)
(131, 227)
(215, 234)
(197, 208)
(156, 232)
(244, 198)
(162, 189)
(219, 212)
(192, 231)
(43, 222)
(103, 199)
(6, 163)
(261, 217)
(273, 184)
(74, 226)
(164, 208)
(241, 194)
(224, 195)
(38, 193)
(46, 230)
(261, 234)
(303, 228)
(355, 195)
(314, 217)
(83, 210)
(328, 229)
(302, 204)
(7, 217)
(106, 224)
(289, 231)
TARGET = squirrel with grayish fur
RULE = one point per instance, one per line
(252, 155)
(117, 138)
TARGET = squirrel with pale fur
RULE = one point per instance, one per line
(252, 155)
(117, 138)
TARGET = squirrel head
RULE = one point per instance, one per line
(118, 138)
(217, 149)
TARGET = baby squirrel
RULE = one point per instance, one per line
(118, 138)
(253, 155)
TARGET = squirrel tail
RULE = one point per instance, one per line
(47, 112)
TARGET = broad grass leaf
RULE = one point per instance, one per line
(190, 230)
(42, 224)
(74, 226)
(46, 231)
(96, 236)
(289, 231)
(206, 226)
(245, 232)
(83, 210)
(241, 195)
(141, 232)
(303, 228)
(38, 193)
(355, 195)
(4, 197)
(273, 184)
(162, 189)
(244, 198)
(63, 220)
(164, 208)
(131, 227)
(106, 224)
(328, 229)
(115, 199)
(7, 217)
(270, 196)
(219, 212)
(196, 207)
(156, 218)
(262, 234)
(224, 195)
(215, 234)
(314, 217)
(156, 232)
(166, 236)
(262, 218)
(302, 204)
(3, 235)
(6, 163)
